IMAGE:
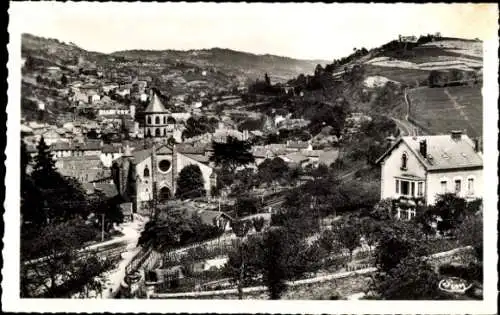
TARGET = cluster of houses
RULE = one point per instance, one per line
(414, 169)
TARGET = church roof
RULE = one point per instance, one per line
(155, 105)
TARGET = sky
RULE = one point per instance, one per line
(297, 30)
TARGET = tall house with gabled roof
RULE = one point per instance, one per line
(423, 167)
(156, 125)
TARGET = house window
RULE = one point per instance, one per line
(420, 189)
(458, 186)
(413, 188)
(405, 187)
(157, 120)
(470, 186)
(146, 172)
(443, 186)
(404, 161)
(397, 186)
(164, 120)
(157, 131)
(411, 213)
(149, 120)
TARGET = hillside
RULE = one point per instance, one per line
(440, 110)
(230, 61)
(375, 81)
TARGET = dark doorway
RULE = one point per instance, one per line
(165, 194)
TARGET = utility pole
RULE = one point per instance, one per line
(102, 229)
(153, 175)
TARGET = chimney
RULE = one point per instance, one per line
(423, 148)
(476, 145)
(127, 151)
(456, 135)
(390, 140)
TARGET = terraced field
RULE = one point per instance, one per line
(408, 76)
(441, 110)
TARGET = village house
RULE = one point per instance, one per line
(109, 87)
(109, 153)
(74, 148)
(298, 146)
(83, 168)
(423, 167)
(116, 110)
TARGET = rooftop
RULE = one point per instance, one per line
(443, 152)
(155, 105)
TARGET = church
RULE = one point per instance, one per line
(137, 172)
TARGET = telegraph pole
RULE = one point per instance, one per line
(102, 229)
(153, 175)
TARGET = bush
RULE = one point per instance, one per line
(247, 206)
(469, 272)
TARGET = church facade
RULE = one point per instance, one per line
(135, 174)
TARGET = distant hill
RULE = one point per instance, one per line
(230, 61)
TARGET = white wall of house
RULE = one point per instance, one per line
(108, 158)
(391, 171)
(435, 187)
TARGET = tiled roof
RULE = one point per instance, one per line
(202, 158)
(109, 190)
(155, 105)
(187, 148)
(328, 157)
(108, 148)
(60, 146)
(443, 152)
(297, 145)
(296, 157)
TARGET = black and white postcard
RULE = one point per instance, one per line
(217, 157)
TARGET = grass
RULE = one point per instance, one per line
(433, 108)
(408, 76)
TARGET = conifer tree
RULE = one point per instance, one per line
(44, 168)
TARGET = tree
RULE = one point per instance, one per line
(451, 209)
(275, 253)
(398, 240)
(348, 235)
(65, 270)
(25, 158)
(196, 127)
(370, 229)
(64, 80)
(411, 279)
(246, 206)
(470, 233)
(382, 210)
(272, 170)
(232, 154)
(44, 169)
(267, 79)
(109, 208)
(173, 229)
(190, 183)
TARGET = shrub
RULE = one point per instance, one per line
(469, 272)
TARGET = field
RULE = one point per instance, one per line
(441, 110)
(408, 76)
